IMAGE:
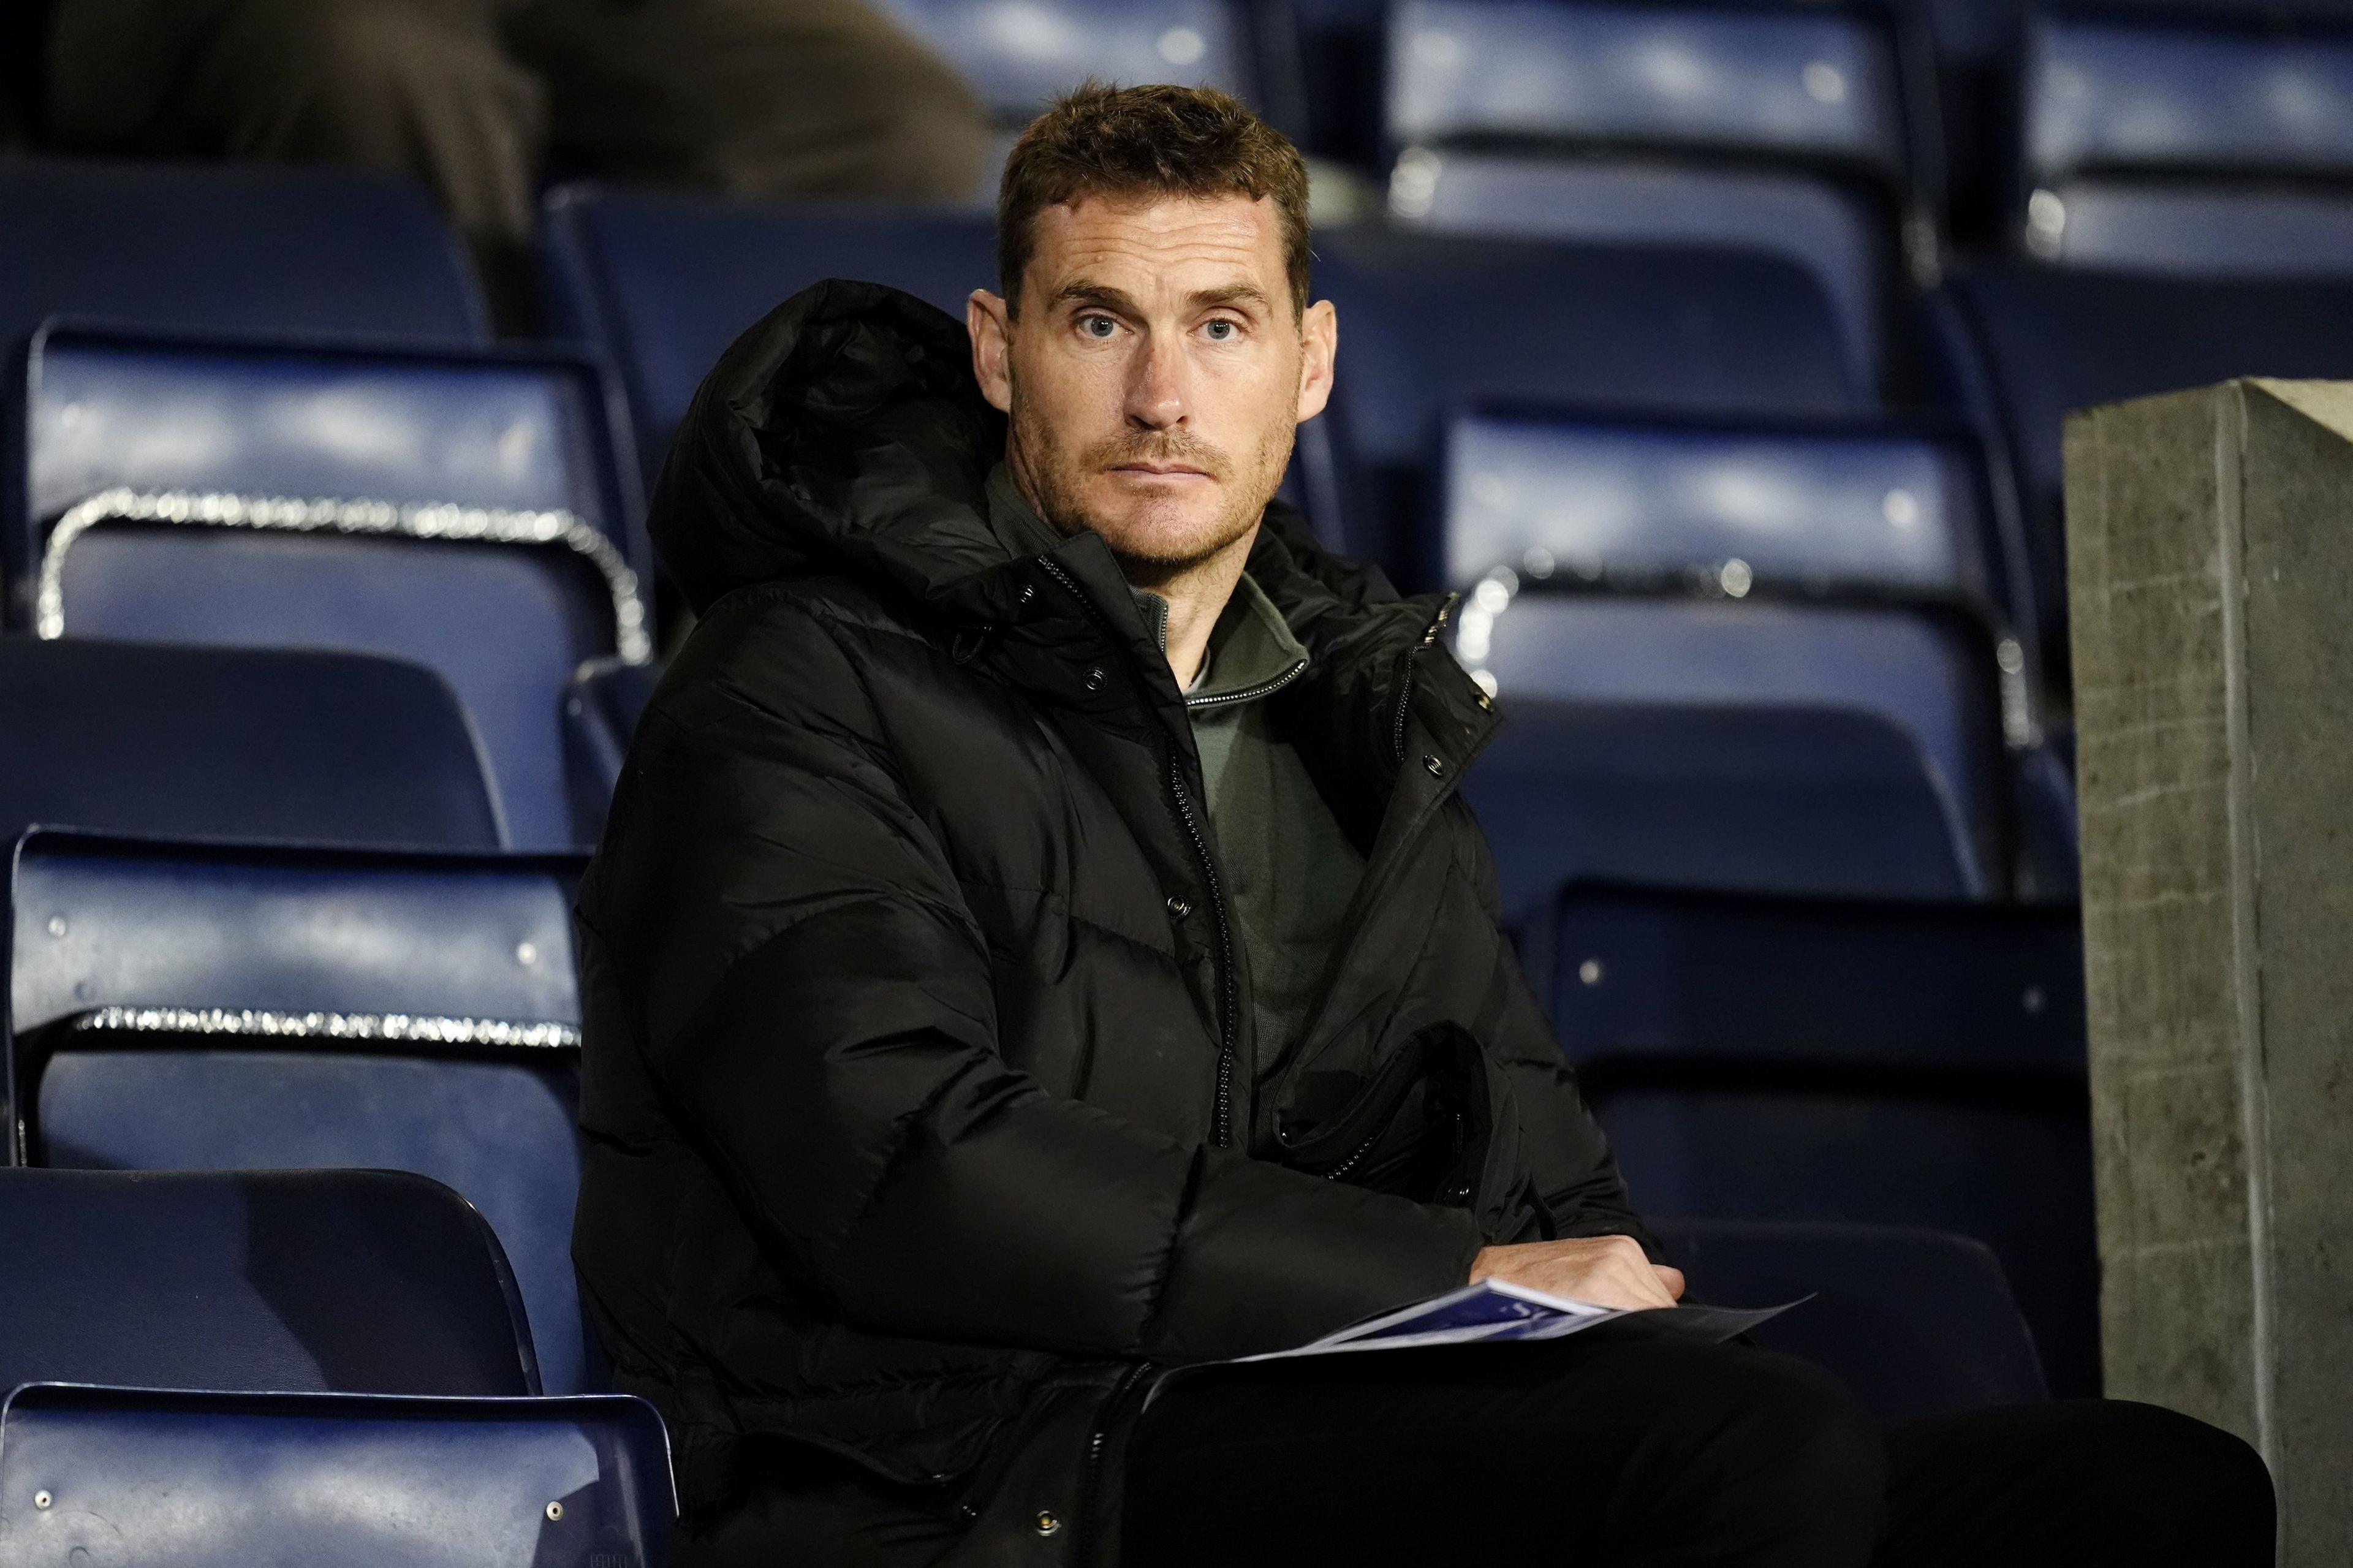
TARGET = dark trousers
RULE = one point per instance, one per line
(747, 97)
(1625, 1449)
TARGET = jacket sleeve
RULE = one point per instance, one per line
(814, 1002)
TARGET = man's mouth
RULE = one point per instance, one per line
(1162, 470)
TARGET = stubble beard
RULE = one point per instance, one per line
(1146, 554)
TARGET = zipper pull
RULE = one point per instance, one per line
(1429, 636)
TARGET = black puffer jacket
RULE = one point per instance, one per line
(915, 1097)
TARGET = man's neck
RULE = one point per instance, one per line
(1196, 595)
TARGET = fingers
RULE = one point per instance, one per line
(1621, 1276)
(1606, 1270)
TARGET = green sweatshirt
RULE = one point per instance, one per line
(1290, 871)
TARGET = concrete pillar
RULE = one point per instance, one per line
(2209, 541)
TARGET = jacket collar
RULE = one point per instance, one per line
(1251, 650)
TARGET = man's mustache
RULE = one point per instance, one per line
(1161, 448)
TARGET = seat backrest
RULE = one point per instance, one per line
(473, 511)
(1774, 1059)
(2162, 96)
(1845, 243)
(2038, 341)
(1661, 500)
(1774, 130)
(174, 246)
(1769, 799)
(214, 1480)
(2004, 1159)
(2147, 142)
(1655, 974)
(507, 428)
(1020, 54)
(1930, 673)
(1634, 328)
(357, 1281)
(663, 283)
(1816, 86)
(1914, 1321)
(179, 1007)
(237, 743)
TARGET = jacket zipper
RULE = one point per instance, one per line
(1341, 1171)
(1249, 693)
(1091, 1477)
(1383, 1098)
(1221, 1125)
(1221, 1122)
(1405, 686)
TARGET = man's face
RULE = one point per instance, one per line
(1155, 372)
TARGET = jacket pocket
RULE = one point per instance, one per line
(1414, 1127)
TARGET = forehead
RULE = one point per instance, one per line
(1186, 241)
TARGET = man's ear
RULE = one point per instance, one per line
(1319, 342)
(990, 323)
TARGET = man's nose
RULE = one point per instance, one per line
(1157, 390)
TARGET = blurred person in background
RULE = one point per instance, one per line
(746, 98)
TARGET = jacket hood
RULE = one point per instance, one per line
(842, 431)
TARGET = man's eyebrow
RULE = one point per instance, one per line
(1081, 292)
(1232, 294)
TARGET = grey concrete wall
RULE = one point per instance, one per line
(2211, 561)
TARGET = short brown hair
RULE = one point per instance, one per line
(1148, 140)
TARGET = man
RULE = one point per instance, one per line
(747, 97)
(1038, 945)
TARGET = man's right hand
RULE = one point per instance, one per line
(1606, 1270)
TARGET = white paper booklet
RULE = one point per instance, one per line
(1494, 1310)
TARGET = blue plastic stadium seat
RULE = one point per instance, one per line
(1917, 1322)
(1428, 322)
(229, 1480)
(236, 743)
(182, 1008)
(1931, 673)
(1774, 131)
(1769, 799)
(1650, 501)
(1431, 321)
(1903, 1062)
(472, 510)
(2189, 145)
(1653, 973)
(229, 248)
(256, 1281)
(1019, 54)
(2026, 343)
(663, 283)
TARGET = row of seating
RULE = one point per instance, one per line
(2196, 137)
(177, 1005)
(214, 1371)
(212, 1005)
(218, 1369)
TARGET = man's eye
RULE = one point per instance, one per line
(1222, 330)
(1097, 326)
